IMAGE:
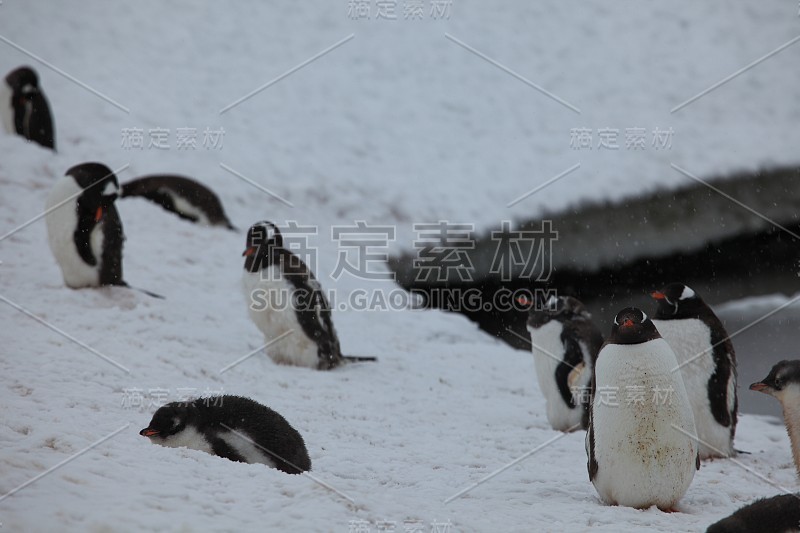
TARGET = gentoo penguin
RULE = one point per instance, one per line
(183, 196)
(779, 514)
(84, 228)
(24, 108)
(565, 342)
(783, 383)
(641, 446)
(232, 427)
(284, 298)
(708, 365)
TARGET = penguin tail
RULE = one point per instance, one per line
(145, 291)
(359, 359)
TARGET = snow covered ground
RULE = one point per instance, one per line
(399, 124)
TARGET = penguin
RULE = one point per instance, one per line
(84, 228)
(183, 196)
(284, 298)
(233, 427)
(708, 361)
(640, 443)
(783, 383)
(779, 514)
(565, 343)
(24, 108)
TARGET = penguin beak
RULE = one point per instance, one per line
(250, 251)
(98, 214)
(760, 387)
(147, 432)
(658, 295)
(628, 323)
(521, 300)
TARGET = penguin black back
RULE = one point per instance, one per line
(227, 420)
(187, 198)
(677, 301)
(31, 112)
(779, 514)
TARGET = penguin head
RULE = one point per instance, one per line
(263, 238)
(676, 300)
(167, 421)
(561, 308)
(632, 326)
(784, 376)
(23, 81)
(100, 188)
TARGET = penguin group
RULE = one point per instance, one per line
(661, 391)
(642, 450)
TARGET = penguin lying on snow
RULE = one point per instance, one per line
(24, 108)
(565, 343)
(779, 514)
(284, 298)
(640, 442)
(183, 196)
(232, 427)
(84, 229)
(783, 383)
(701, 344)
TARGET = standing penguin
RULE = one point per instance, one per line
(232, 427)
(285, 299)
(24, 108)
(84, 228)
(783, 384)
(641, 446)
(565, 343)
(708, 365)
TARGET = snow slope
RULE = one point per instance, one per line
(397, 125)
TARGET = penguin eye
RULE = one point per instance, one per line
(778, 383)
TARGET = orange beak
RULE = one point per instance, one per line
(628, 323)
(523, 300)
(250, 251)
(759, 387)
(98, 214)
(658, 295)
(147, 432)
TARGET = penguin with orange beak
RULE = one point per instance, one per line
(286, 303)
(707, 361)
(783, 384)
(83, 226)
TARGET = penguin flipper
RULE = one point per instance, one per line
(223, 449)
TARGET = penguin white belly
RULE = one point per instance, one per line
(688, 338)
(61, 224)
(6, 111)
(249, 451)
(188, 438)
(548, 352)
(642, 459)
(183, 206)
(269, 303)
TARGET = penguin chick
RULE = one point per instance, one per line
(565, 343)
(641, 440)
(232, 427)
(783, 384)
(707, 362)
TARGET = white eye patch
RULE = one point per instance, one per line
(644, 317)
(687, 293)
(110, 189)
